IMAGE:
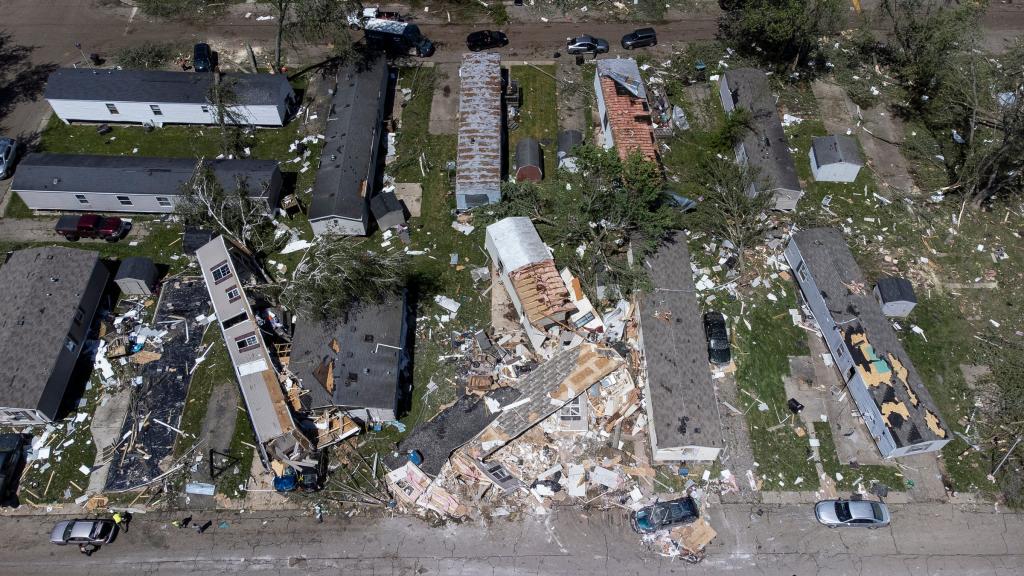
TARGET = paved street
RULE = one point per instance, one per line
(924, 540)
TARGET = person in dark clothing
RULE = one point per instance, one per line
(87, 549)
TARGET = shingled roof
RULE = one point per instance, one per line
(162, 86)
(629, 115)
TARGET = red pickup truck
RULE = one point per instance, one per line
(110, 228)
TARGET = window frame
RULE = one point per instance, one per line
(82, 199)
(247, 342)
(164, 201)
(125, 200)
(155, 109)
(112, 109)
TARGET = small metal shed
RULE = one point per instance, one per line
(568, 140)
(895, 296)
(387, 210)
(529, 162)
(136, 276)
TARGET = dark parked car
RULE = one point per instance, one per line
(586, 44)
(11, 455)
(8, 153)
(664, 514)
(865, 513)
(94, 531)
(640, 38)
(110, 228)
(485, 40)
(202, 57)
(717, 334)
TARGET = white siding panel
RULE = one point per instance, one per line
(172, 113)
(67, 202)
(342, 226)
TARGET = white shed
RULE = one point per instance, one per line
(895, 296)
(835, 159)
(161, 97)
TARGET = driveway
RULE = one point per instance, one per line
(41, 230)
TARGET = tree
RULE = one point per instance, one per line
(337, 273)
(784, 32)
(925, 35)
(222, 98)
(146, 56)
(315, 21)
(234, 213)
(728, 210)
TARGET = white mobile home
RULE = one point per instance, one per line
(133, 184)
(892, 399)
(158, 97)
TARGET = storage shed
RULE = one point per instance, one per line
(895, 296)
(529, 162)
(835, 159)
(387, 210)
(136, 276)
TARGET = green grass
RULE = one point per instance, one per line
(16, 208)
(213, 371)
(888, 475)
(762, 359)
(538, 116)
(242, 442)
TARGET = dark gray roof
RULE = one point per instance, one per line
(835, 149)
(137, 268)
(683, 404)
(893, 289)
(831, 264)
(437, 439)
(387, 210)
(567, 140)
(528, 153)
(347, 162)
(367, 369)
(133, 174)
(42, 290)
(766, 144)
(194, 239)
(159, 86)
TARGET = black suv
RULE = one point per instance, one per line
(717, 334)
(485, 40)
(202, 57)
(641, 38)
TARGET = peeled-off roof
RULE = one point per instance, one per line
(479, 149)
(162, 86)
(517, 242)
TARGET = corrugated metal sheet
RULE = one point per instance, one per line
(480, 130)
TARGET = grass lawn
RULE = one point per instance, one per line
(888, 475)
(16, 208)
(538, 116)
(762, 358)
(242, 447)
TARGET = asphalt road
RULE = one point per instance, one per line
(924, 540)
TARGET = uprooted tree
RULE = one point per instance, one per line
(728, 209)
(226, 114)
(240, 216)
(313, 21)
(337, 273)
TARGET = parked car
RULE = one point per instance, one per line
(640, 38)
(109, 228)
(866, 513)
(664, 514)
(202, 57)
(83, 531)
(485, 40)
(11, 455)
(8, 154)
(586, 44)
(717, 334)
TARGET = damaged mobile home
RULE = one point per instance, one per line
(896, 407)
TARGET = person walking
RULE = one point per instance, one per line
(120, 521)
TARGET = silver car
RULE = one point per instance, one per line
(865, 513)
(94, 532)
(8, 150)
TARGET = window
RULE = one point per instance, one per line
(125, 200)
(156, 110)
(233, 293)
(82, 199)
(235, 320)
(247, 342)
(112, 109)
(71, 344)
(205, 109)
(221, 272)
(163, 201)
(79, 315)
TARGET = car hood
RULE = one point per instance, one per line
(58, 531)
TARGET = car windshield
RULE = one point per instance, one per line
(843, 511)
(876, 510)
(68, 529)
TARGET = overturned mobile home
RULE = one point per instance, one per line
(227, 268)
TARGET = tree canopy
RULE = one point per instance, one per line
(783, 32)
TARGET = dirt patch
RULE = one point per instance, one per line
(444, 108)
